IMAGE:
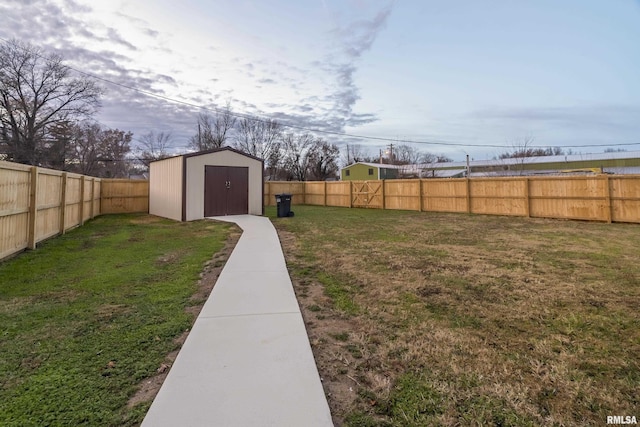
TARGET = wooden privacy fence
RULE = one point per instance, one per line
(38, 203)
(124, 196)
(594, 198)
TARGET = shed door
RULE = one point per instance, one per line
(226, 190)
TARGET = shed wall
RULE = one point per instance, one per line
(359, 172)
(195, 180)
(165, 188)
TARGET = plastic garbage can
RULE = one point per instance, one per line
(283, 201)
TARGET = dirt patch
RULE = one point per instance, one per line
(329, 331)
(149, 387)
(107, 312)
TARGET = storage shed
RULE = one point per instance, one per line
(216, 182)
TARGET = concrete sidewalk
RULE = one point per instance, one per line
(247, 361)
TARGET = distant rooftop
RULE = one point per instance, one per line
(533, 160)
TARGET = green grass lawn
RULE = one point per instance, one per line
(89, 315)
(422, 319)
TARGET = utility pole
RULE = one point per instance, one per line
(391, 154)
(348, 156)
(468, 168)
(381, 156)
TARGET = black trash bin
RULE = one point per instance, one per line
(284, 205)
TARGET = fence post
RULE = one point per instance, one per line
(267, 184)
(304, 192)
(33, 208)
(608, 202)
(468, 195)
(81, 210)
(527, 199)
(420, 195)
(382, 191)
(350, 194)
(63, 202)
(93, 184)
(325, 193)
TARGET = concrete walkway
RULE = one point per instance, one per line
(247, 361)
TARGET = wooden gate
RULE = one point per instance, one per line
(367, 194)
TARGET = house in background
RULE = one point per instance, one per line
(369, 171)
(619, 163)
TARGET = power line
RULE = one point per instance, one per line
(326, 132)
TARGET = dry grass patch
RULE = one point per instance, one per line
(438, 319)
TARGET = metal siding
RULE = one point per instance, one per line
(165, 188)
(195, 180)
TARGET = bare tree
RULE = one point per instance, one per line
(275, 161)
(441, 158)
(405, 154)
(59, 145)
(36, 92)
(101, 152)
(521, 152)
(323, 162)
(203, 140)
(213, 131)
(299, 151)
(355, 153)
(258, 137)
(523, 149)
(224, 123)
(155, 146)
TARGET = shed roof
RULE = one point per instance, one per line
(214, 150)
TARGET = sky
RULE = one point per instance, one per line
(450, 77)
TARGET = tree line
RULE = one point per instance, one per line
(299, 156)
(393, 154)
(46, 116)
(44, 112)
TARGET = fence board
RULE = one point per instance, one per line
(15, 233)
(72, 208)
(48, 205)
(444, 195)
(314, 193)
(498, 196)
(573, 197)
(402, 194)
(338, 194)
(625, 198)
(124, 196)
(295, 188)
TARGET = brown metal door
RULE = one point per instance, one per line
(215, 192)
(237, 191)
(226, 190)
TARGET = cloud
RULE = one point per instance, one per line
(360, 35)
(355, 39)
(71, 31)
(617, 117)
(114, 37)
